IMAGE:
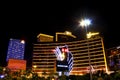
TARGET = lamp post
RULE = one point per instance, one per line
(85, 23)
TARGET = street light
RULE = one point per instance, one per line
(85, 23)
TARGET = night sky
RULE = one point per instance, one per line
(25, 20)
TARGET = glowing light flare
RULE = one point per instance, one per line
(22, 41)
(2, 76)
(34, 66)
(85, 22)
(68, 33)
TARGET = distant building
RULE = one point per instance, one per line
(16, 49)
(113, 58)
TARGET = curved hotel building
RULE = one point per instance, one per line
(45, 60)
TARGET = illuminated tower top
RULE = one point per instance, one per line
(64, 36)
(45, 38)
(16, 49)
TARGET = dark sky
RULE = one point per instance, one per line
(25, 20)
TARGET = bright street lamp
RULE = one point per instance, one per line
(85, 23)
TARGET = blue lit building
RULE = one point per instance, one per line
(16, 49)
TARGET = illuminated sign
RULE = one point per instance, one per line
(62, 65)
(15, 64)
(60, 52)
(64, 60)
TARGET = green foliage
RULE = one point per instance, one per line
(18, 76)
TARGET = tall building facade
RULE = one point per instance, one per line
(44, 57)
(16, 49)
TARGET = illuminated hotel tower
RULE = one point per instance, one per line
(44, 57)
(16, 49)
(97, 56)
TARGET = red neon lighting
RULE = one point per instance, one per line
(64, 50)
